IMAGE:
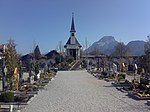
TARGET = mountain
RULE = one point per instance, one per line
(106, 45)
(136, 47)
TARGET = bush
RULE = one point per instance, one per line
(7, 96)
(19, 99)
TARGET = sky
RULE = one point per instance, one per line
(47, 22)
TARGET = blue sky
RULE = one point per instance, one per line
(46, 22)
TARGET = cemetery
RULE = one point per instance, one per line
(127, 80)
(26, 90)
(22, 77)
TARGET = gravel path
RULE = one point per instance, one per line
(78, 91)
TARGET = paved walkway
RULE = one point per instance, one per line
(78, 91)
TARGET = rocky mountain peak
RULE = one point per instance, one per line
(107, 38)
(106, 45)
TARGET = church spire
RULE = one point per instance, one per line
(72, 24)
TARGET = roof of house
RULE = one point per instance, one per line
(51, 54)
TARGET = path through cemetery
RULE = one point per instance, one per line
(79, 91)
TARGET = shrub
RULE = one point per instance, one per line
(18, 99)
(7, 96)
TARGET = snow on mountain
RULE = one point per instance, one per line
(106, 45)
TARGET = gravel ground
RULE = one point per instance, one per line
(78, 91)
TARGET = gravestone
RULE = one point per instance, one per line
(25, 76)
(32, 80)
(38, 75)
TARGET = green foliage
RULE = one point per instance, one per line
(11, 61)
(7, 96)
(37, 53)
(36, 67)
(19, 99)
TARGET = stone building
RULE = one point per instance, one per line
(73, 47)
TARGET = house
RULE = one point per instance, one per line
(27, 60)
(52, 55)
(2, 50)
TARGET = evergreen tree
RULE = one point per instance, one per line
(37, 57)
(36, 67)
(11, 61)
(37, 53)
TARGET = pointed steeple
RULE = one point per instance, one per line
(72, 24)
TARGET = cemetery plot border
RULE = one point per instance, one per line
(120, 84)
(137, 97)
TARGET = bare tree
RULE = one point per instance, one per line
(61, 50)
(121, 50)
(95, 51)
(60, 47)
(147, 45)
(147, 54)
